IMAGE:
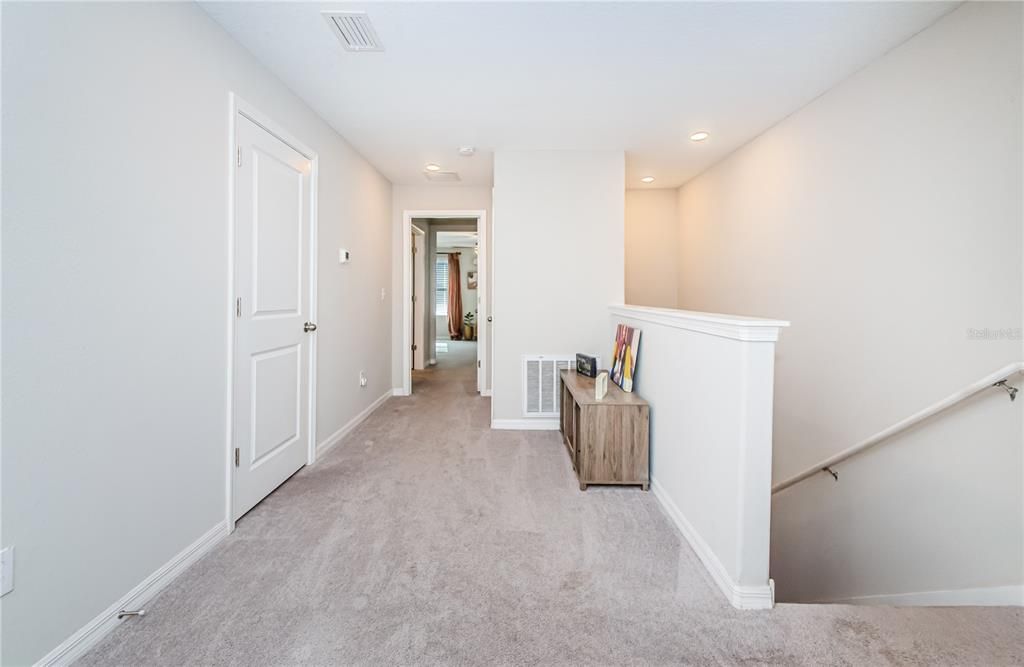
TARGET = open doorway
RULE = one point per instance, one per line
(445, 299)
(456, 283)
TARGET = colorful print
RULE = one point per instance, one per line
(627, 344)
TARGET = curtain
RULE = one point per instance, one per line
(454, 297)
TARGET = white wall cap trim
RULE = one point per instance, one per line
(736, 327)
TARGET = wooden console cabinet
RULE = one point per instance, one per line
(608, 439)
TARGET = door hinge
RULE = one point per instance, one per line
(414, 298)
(413, 348)
(239, 156)
(236, 457)
(478, 364)
(238, 307)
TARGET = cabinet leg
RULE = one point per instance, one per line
(583, 486)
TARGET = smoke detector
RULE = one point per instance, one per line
(353, 30)
(467, 151)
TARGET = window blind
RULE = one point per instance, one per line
(441, 285)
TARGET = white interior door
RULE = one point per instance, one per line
(272, 347)
(419, 290)
(483, 309)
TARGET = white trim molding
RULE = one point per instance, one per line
(736, 327)
(98, 628)
(741, 597)
(992, 596)
(339, 435)
(524, 424)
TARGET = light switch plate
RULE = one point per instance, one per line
(343, 256)
(6, 571)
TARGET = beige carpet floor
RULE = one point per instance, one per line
(426, 538)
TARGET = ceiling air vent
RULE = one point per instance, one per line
(442, 176)
(354, 31)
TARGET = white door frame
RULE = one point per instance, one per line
(238, 106)
(483, 305)
(420, 308)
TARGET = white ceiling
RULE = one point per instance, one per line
(456, 239)
(638, 77)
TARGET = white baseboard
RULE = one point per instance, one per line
(95, 630)
(524, 424)
(338, 435)
(992, 596)
(485, 392)
(741, 597)
(398, 391)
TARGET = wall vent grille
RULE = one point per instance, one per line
(354, 31)
(540, 383)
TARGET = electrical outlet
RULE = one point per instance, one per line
(6, 571)
(362, 379)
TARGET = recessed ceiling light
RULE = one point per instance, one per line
(433, 167)
(647, 179)
(699, 136)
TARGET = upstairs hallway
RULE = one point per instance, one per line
(427, 538)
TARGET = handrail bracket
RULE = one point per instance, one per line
(1011, 390)
(997, 379)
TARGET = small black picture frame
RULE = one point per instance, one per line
(586, 365)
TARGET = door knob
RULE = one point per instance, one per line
(308, 326)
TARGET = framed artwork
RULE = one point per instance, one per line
(627, 345)
(471, 279)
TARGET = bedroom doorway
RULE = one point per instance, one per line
(450, 304)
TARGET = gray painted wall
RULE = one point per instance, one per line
(115, 305)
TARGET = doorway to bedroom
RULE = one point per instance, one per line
(446, 283)
(455, 297)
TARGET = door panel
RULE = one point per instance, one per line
(270, 418)
(277, 241)
(276, 402)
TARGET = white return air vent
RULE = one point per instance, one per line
(540, 383)
(442, 176)
(354, 31)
